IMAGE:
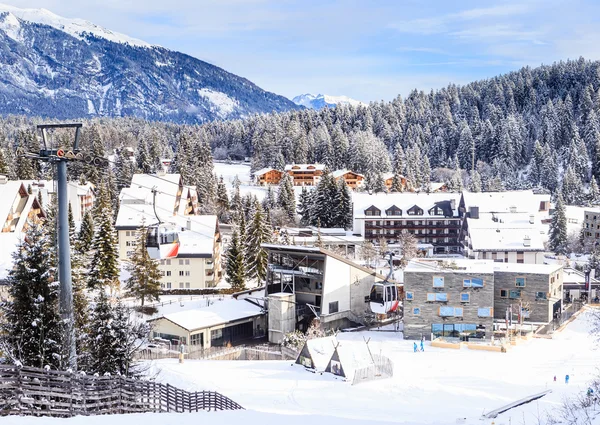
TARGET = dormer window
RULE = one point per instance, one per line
(436, 211)
(415, 210)
(393, 211)
(373, 211)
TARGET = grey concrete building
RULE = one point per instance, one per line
(450, 299)
(463, 297)
(536, 288)
(591, 225)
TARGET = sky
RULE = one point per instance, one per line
(368, 50)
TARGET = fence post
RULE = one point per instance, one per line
(168, 407)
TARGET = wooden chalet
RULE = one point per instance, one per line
(305, 174)
(352, 179)
(267, 176)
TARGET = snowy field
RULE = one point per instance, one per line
(437, 386)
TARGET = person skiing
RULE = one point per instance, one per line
(415, 347)
(566, 379)
(422, 347)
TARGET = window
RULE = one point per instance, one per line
(485, 312)
(129, 253)
(168, 272)
(516, 293)
(458, 311)
(187, 285)
(447, 311)
(465, 297)
(333, 307)
(437, 296)
(473, 283)
(410, 296)
(541, 296)
(520, 282)
(180, 262)
(180, 285)
(168, 262)
(127, 233)
(196, 339)
(181, 273)
(162, 273)
(438, 282)
(187, 272)
(503, 293)
(416, 311)
(168, 285)
(187, 262)
(162, 286)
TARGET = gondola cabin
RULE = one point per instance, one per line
(384, 298)
(162, 241)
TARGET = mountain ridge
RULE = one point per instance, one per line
(320, 101)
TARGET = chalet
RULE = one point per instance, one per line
(504, 226)
(352, 179)
(267, 176)
(388, 179)
(222, 323)
(319, 283)
(432, 218)
(305, 174)
(198, 263)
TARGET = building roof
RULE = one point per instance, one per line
(339, 173)
(264, 171)
(503, 239)
(477, 266)
(304, 167)
(320, 350)
(524, 201)
(576, 277)
(405, 201)
(218, 313)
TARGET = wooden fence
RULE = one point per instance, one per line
(39, 392)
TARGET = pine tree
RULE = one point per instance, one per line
(344, 206)
(31, 328)
(143, 160)
(397, 185)
(3, 163)
(572, 188)
(286, 197)
(323, 208)
(124, 169)
(558, 227)
(304, 207)
(235, 265)
(594, 193)
(475, 182)
(104, 270)
(144, 282)
(86, 233)
(258, 232)
(426, 183)
(222, 198)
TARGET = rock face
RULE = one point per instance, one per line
(69, 68)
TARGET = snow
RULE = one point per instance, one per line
(91, 107)
(502, 202)
(404, 201)
(216, 314)
(321, 350)
(223, 104)
(12, 27)
(321, 100)
(72, 26)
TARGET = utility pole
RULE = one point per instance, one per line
(60, 157)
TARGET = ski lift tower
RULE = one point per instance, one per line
(60, 157)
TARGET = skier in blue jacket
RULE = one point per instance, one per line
(415, 347)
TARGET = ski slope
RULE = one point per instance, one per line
(437, 386)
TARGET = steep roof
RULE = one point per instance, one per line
(339, 173)
(405, 201)
(264, 171)
(304, 167)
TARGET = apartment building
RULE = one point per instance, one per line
(591, 225)
(432, 218)
(305, 174)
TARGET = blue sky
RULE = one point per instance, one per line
(368, 50)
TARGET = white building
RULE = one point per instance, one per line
(198, 263)
(338, 240)
(505, 226)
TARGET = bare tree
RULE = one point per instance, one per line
(408, 244)
(368, 252)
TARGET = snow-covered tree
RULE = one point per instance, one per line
(31, 330)
(144, 281)
(258, 232)
(558, 227)
(286, 197)
(594, 193)
(235, 264)
(408, 246)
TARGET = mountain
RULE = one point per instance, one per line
(323, 100)
(71, 68)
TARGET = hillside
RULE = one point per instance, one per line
(69, 68)
(323, 100)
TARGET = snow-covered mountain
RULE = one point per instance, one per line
(322, 100)
(71, 68)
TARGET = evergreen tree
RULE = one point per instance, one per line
(3, 163)
(572, 188)
(475, 182)
(304, 207)
(397, 185)
(286, 197)
(104, 270)
(374, 183)
(235, 264)
(558, 227)
(124, 169)
(144, 282)
(31, 328)
(344, 206)
(594, 193)
(426, 183)
(86, 233)
(222, 198)
(142, 158)
(258, 232)
(323, 208)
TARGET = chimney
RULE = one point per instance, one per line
(3, 179)
(526, 241)
(474, 212)
(188, 224)
(531, 219)
(453, 204)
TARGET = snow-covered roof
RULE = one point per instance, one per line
(304, 167)
(526, 268)
(518, 201)
(575, 277)
(339, 173)
(387, 176)
(507, 239)
(217, 314)
(167, 187)
(264, 171)
(450, 266)
(405, 201)
(353, 355)
(321, 350)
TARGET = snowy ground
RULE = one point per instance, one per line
(435, 387)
